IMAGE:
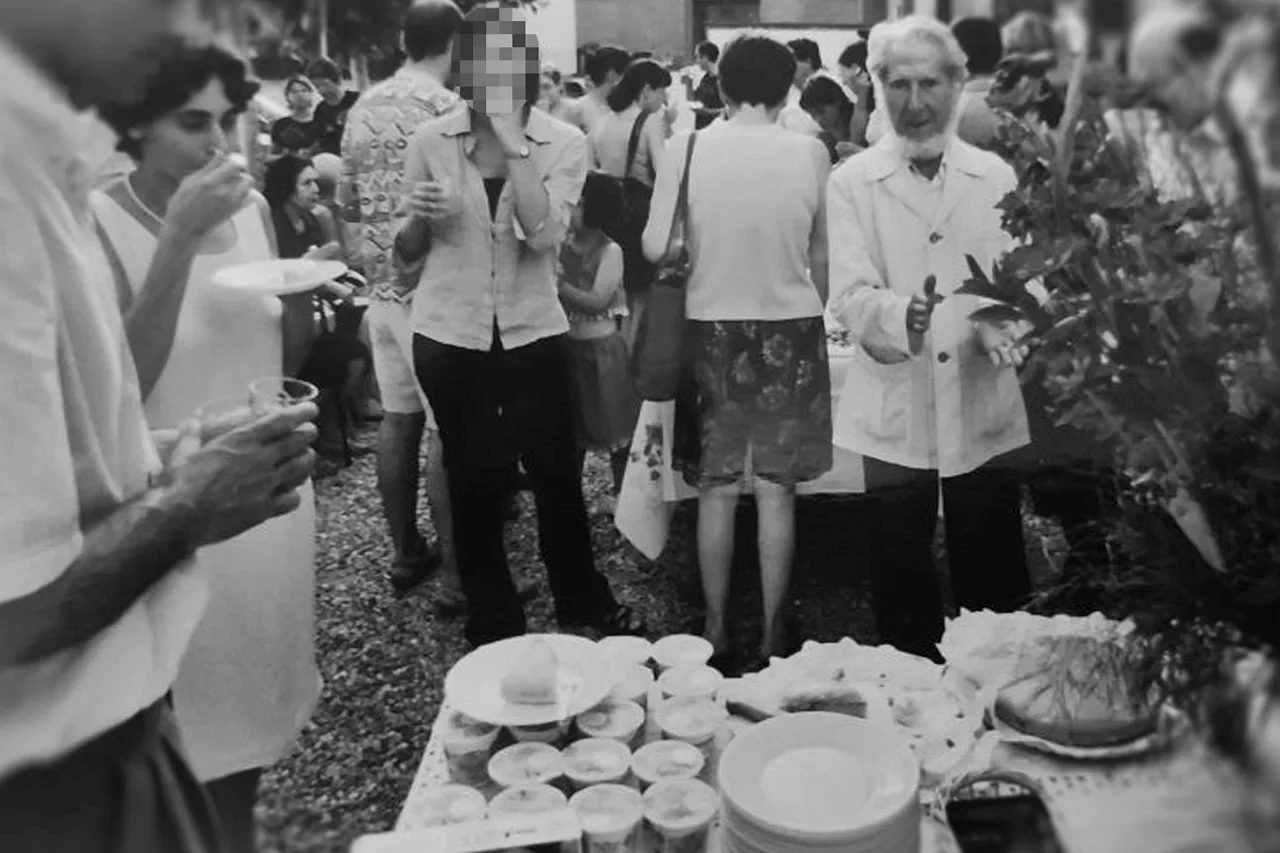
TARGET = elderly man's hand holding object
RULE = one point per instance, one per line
(1001, 334)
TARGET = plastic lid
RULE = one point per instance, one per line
(693, 719)
(525, 763)
(612, 718)
(682, 650)
(668, 759)
(691, 681)
(635, 650)
(608, 808)
(683, 804)
(597, 759)
(450, 804)
(527, 800)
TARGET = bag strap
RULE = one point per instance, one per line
(633, 145)
(680, 216)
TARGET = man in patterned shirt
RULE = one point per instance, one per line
(377, 136)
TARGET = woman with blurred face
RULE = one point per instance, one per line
(491, 191)
(249, 679)
(297, 133)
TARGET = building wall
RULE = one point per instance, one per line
(825, 12)
(662, 26)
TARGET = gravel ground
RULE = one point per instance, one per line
(384, 660)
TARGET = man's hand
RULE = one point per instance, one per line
(920, 314)
(207, 198)
(246, 476)
(432, 201)
(1003, 341)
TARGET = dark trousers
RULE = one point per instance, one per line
(983, 522)
(128, 790)
(489, 406)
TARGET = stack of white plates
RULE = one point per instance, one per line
(819, 783)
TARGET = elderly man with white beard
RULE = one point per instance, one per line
(932, 395)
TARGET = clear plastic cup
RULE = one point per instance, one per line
(628, 650)
(526, 764)
(681, 814)
(597, 761)
(695, 722)
(221, 416)
(275, 392)
(468, 746)
(611, 816)
(634, 685)
(452, 804)
(681, 650)
(667, 760)
(555, 734)
(527, 800)
(690, 682)
(614, 719)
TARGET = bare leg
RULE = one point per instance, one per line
(776, 514)
(399, 440)
(716, 508)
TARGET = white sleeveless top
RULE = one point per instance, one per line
(249, 680)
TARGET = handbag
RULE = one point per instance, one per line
(629, 231)
(657, 359)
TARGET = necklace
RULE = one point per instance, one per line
(142, 205)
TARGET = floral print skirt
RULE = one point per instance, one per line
(756, 396)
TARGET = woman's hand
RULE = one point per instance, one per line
(207, 198)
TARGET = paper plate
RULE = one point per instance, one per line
(819, 776)
(280, 277)
(584, 678)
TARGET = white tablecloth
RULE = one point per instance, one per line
(651, 489)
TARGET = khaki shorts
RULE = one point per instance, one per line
(392, 343)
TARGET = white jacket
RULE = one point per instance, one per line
(948, 408)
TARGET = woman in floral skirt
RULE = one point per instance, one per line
(757, 398)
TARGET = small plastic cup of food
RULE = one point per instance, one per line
(695, 722)
(610, 816)
(666, 761)
(527, 800)
(596, 761)
(681, 650)
(468, 745)
(614, 719)
(681, 813)
(452, 804)
(690, 682)
(634, 685)
(628, 650)
(526, 764)
(552, 733)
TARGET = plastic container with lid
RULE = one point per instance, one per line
(556, 734)
(452, 804)
(468, 745)
(526, 764)
(681, 650)
(681, 814)
(614, 719)
(611, 816)
(633, 685)
(527, 800)
(628, 650)
(597, 761)
(695, 722)
(667, 760)
(696, 682)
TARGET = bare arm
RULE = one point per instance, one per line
(818, 260)
(662, 206)
(543, 208)
(605, 288)
(413, 234)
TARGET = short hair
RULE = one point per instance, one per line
(429, 28)
(641, 54)
(603, 201)
(324, 69)
(885, 36)
(1029, 33)
(186, 68)
(980, 39)
(707, 50)
(641, 73)
(854, 56)
(756, 69)
(602, 60)
(280, 181)
(481, 23)
(298, 80)
(822, 92)
(806, 50)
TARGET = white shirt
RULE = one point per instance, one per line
(949, 408)
(76, 442)
(755, 210)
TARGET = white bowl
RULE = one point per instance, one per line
(682, 650)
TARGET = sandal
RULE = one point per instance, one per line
(449, 603)
(621, 621)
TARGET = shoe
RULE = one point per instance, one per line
(407, 574)
(449, 603)
(621, 621)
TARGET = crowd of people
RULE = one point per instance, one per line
(157, 605)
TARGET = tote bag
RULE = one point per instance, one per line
(657, 360)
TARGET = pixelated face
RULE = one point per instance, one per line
(327, 89)
(496, 63)
(803, 72)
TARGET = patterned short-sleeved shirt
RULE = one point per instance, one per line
(379, 128)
